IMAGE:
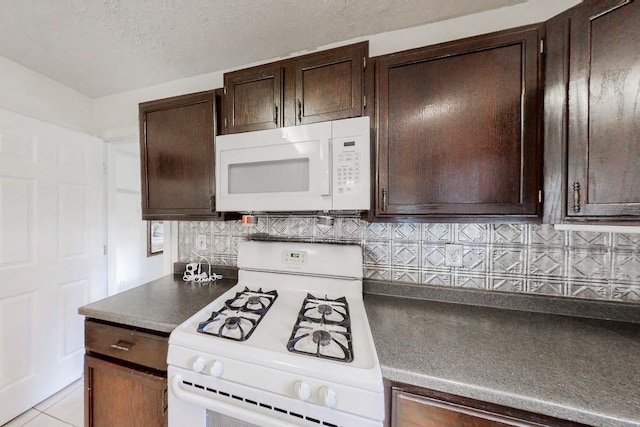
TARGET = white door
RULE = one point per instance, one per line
(128, 262)
(52, 225)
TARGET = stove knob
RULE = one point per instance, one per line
(328, 397)
(198, 364)
(216, 369)
(303, 390)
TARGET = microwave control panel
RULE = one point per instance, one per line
(348, 166)
(351, 164)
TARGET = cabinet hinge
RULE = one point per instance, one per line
(364, 62)
(541, 45)
(540, 196)
(104, 249)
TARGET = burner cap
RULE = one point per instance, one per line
(253, 300)
(232, 322)
(325, 309)
(322, 337)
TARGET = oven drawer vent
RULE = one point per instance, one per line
(260, 404)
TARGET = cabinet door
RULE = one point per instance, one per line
(329, 85)
(119, 396)
(458, 129)
(604, 114)
(411, 410)
(253, 98)
(177, 153)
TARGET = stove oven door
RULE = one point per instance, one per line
(189, 407)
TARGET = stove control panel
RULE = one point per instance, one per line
(294, 258)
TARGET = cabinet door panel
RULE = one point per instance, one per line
(458, 129)
(328, 86)
(119, 396)
(253, 98)
(604, 118)
(177, 154)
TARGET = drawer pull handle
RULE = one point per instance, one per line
(122, 345)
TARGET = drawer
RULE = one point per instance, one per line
(127, 344)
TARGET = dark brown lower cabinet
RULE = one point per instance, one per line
(411, 406)
(125, 376)
(116, 395)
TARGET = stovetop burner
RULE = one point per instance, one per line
(240, 315)
(323, 329)
(321, 337)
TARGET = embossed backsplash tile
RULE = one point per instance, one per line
(508, 233)
(524, 258)
(437, 232)
(546, 235)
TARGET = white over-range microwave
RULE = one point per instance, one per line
(316, 167)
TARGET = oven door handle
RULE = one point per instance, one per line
(224, 408)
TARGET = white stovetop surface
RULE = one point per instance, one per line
(267, 346)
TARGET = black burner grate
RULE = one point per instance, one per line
(240, 315)
(323, 329)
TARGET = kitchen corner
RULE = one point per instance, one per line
(580, 369)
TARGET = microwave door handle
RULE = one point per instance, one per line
(325, 160)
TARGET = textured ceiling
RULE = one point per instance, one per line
(102, 47)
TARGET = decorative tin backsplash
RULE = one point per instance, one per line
(526, 258)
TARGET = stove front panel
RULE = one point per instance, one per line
(231, 397)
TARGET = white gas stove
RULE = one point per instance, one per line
(289, 345)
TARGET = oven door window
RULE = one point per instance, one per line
(218, 420)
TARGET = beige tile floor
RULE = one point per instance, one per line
(63, 409)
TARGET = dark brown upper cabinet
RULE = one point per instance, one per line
(457, 128)
(177, 157)
(322, 86)
(328, 85)
(254, 98)
(592, 113)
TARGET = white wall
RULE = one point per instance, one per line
(116, 116)
(33, 95)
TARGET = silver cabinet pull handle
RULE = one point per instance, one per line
(384, 200)
(576, 197)
(122, 345)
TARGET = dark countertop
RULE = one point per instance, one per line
(160, 305)
(579, 369)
